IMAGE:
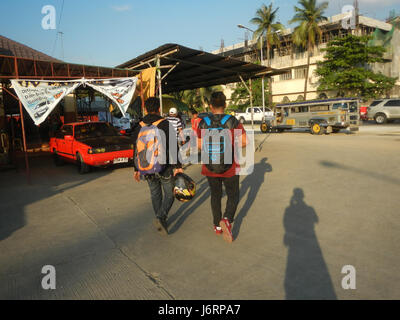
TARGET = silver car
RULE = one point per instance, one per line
(384, 110)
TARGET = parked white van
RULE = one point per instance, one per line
(384, 110)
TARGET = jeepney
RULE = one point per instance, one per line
(320, 116)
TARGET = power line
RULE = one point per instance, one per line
(58, 28)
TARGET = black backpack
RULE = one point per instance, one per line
(217, 148)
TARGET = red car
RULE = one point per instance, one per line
(96, 144)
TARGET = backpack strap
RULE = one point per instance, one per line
(158, 122)
(225, 119)
(207, 120)
(143, 124)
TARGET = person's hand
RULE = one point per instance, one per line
(176, 171)
(136, 176)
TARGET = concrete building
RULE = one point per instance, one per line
(289, 86)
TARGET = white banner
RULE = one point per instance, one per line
(41, 97)
(119, 90)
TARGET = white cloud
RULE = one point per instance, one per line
(121, 8)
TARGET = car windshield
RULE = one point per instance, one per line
(374, 103)
(94, 130)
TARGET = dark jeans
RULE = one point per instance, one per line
(232, 191)
(162, 203)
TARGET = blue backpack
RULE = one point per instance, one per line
(217, 147)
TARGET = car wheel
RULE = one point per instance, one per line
(57, 159)
(316, 128)
(335, 130)
(264, 127)
(380, 118)
(82, 166)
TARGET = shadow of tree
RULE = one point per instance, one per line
(307, 275)
(45, 177)
(375, 175)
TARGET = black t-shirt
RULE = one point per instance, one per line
(166, 127)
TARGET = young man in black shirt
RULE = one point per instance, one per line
(161, 183)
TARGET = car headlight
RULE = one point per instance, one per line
(90, 151)
(100, 150)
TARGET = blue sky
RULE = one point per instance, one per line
(107, 33)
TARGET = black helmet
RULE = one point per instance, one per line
(185, 187)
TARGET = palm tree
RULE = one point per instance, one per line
(267, 28)
(199, 98)
(306, 34)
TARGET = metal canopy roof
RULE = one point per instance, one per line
(10, 47)
(191, 69)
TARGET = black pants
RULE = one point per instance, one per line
(232, 191)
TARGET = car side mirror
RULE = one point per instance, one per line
(68, 138)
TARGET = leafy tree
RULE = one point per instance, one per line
(241, 98)
(347, 68)
(197, 99)
(267, 28)
(308, 32)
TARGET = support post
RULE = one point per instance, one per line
(262, 79)
(250, 91)
(28, 172)
(2, 109)
(141, 93)
(251, 105)
(159, 83)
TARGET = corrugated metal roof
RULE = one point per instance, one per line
(10, 47)
(196, 68)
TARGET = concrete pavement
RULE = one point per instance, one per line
(313, 205)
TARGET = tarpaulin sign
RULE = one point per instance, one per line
(119, 90)
(41, 97)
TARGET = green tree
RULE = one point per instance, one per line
(197, 99)
(241, 97)
(347, 68)
(267, 28)
(308, 32)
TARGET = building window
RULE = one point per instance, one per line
(319, 108)
(323, 96)
(286, 76)
(300, 73)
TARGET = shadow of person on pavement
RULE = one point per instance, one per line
(307, 275)
(252, 183)
(187, 208)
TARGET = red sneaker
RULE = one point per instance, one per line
(217, 230)
(226, 229)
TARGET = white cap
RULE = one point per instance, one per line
(173, 111)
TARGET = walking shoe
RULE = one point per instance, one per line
(217, 230)
(226, 229)
(161, 226)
